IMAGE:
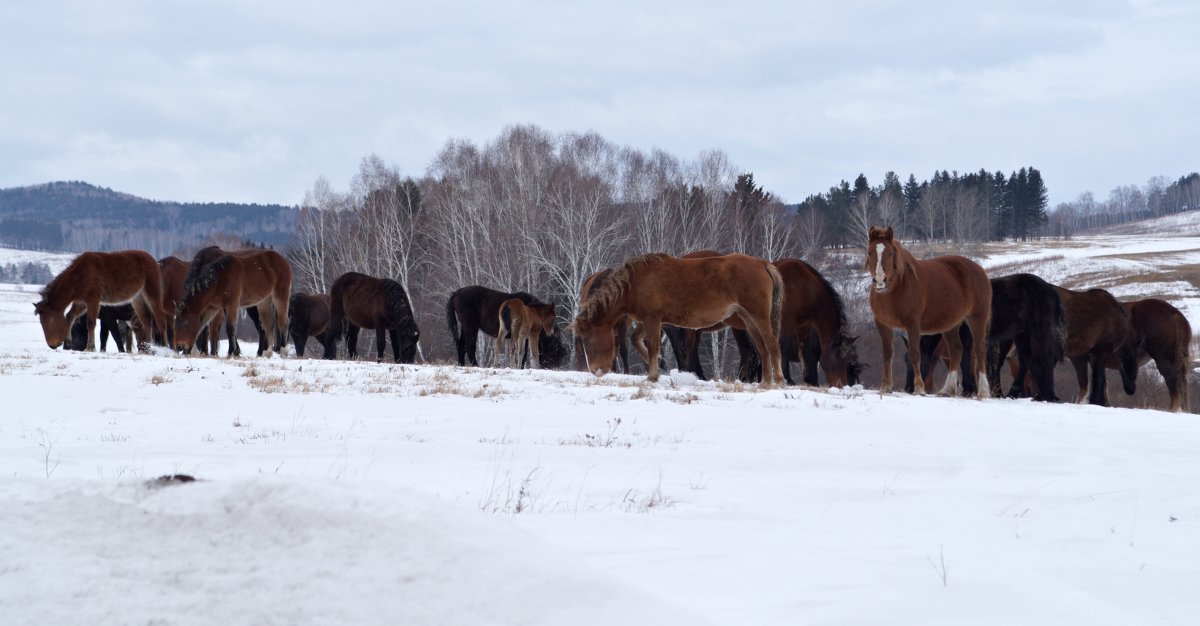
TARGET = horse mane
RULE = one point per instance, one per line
(397, 301)
(906, 263)
(615, 285)
(204, 271)
(48, 291)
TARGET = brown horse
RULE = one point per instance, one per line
(813, 329)
(359, 301)
(928, 296)
(620, 329)
(523, 323)
(96, 278)
(1160, 332)
(221, 282)
(308, 316)
(1098, 331)
(653, 289)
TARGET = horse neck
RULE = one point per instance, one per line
(58, 295)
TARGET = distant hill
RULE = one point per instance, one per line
(77, 216)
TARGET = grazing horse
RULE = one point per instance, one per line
(523, 323)
(932, 296)
(359, 301)
(114, 321)
(620, 329)
(96, 278)
(308, 316)
(1160, 332)
(1028, 315)
(653, 289)
(813, 330)
(221, 282)
(473, 309)
(1097, 332)
(174, 276)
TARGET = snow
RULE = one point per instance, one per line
(339, 492)
(56, 261)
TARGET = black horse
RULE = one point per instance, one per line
(308, 316)
(477, 308)
(1028, 314)
(115, 320)
(359, 301)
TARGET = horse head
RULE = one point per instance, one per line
(189, 320)
(842, 367)
(599, 345)
(882, 258)
(55, 325)
(546, 315)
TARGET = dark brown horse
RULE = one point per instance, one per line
(1098, 331)
(308, 316)
(523, 323)
(114, 322)
(96, 278)
(928, 296)
(470, 310)
(657, 289)
(221, 282)
(1028, 317)
(359, 301)
(1159, 331)
(813, 330)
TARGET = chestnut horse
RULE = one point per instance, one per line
(359, 301)
(653, 289)
(308, 316)
(523, 323)
(1160, 332)
(95, 278)
(470, 310)
(1098, 332)
(928, 296)
(174, 273)
(221, 282)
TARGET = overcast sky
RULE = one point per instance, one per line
(252, 101)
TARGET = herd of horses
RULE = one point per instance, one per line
(171, 302)
(779, 312)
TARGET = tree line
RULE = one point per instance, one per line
(1126, 203)
(949, 206)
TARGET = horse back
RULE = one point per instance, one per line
(954, 287)
(1096, 321)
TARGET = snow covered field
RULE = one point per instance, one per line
(335, 492)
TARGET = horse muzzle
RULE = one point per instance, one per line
(881, 287)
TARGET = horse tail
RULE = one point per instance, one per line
(1058, 337)
(505, 318)
(452, 318)
(776, 298)
(1183, 359)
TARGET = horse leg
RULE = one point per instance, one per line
(1025, 365)
(535, 355)
(380, 341)
(885, 347)
(691, 351)
(299, 338)
(472, 346)
(620, 334)
(1099, 391)
(1081, 375)
(954, 350)
(92, 312)
(914, 360)
(352, 341)
(978, 325)
(653, 335)
(499, 349)
(1171, 377)
(394, 336)
(231, 320)
(259, 316)
(742, 339)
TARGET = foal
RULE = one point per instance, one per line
(523, 323)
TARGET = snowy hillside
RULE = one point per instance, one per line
(335, 492)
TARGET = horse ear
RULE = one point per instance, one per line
(887, 234)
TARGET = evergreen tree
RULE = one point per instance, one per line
(1001, 206)
(1036, 198)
